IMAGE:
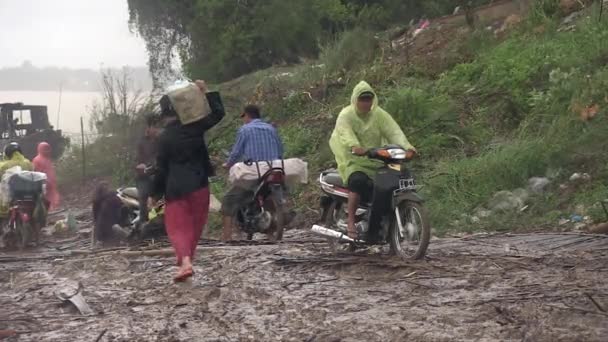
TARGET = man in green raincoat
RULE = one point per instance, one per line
(361, 126)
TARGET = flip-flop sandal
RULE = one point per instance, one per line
(183, 276)
(352, 235)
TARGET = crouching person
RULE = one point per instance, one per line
(108, 215)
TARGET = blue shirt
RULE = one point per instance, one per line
(256, 141)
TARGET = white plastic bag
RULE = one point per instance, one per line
(214, 205)
(296, 171)
(5, 191)
(188, 101)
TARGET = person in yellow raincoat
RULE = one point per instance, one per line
(361, 126)
(12, 157)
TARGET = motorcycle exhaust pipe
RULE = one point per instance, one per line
(332, 234)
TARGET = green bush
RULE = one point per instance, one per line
(108, 157)
(353, 50)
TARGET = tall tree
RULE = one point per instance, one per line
(222, 39)
(163, 24)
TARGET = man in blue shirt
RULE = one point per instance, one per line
(256, 141)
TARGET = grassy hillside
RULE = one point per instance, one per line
(486, 114)
(487, 110)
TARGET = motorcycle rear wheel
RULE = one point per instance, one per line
(330, 220)
(24, 233)
(278, 218)
(411, 240)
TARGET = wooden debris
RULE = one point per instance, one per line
(103, 332)
(597, 305)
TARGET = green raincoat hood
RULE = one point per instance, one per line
(359, 89)
(374, 129)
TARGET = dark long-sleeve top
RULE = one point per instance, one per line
(183, 163)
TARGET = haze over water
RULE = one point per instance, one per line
(71, 34)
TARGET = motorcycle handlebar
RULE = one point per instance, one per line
(382, 152)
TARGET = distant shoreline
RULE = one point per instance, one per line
(31, 78)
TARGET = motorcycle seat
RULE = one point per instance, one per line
(334, 179)
(131, 192)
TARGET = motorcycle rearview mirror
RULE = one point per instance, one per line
(383, 153)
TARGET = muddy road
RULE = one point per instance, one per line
(531, 287)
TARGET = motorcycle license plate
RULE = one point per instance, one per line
(407, 184)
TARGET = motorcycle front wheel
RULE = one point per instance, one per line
(410, 231)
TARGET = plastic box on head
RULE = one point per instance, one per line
(188, 101)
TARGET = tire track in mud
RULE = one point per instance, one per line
(534, 287)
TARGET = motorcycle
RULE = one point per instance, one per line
(154, 227)
(396, 214)
(28, 209)
(264, 211)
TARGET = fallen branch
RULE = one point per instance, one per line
(573, 308)
(103, 332)
(419, 284)
(300, 284)
(246, 268)
(126, 253)
(53, 213)
(597, 305)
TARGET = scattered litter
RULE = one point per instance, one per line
(576, 218)
(60, 228)
(538, 185)
(580, 177)
(73, 293)
(570, 18)
(71, 222)
(483, 213)
(508, 200)
(580, 226)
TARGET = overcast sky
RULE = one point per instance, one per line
(68, 33)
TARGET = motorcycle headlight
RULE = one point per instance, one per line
(397, 153)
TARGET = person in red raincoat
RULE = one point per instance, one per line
(43, 163)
